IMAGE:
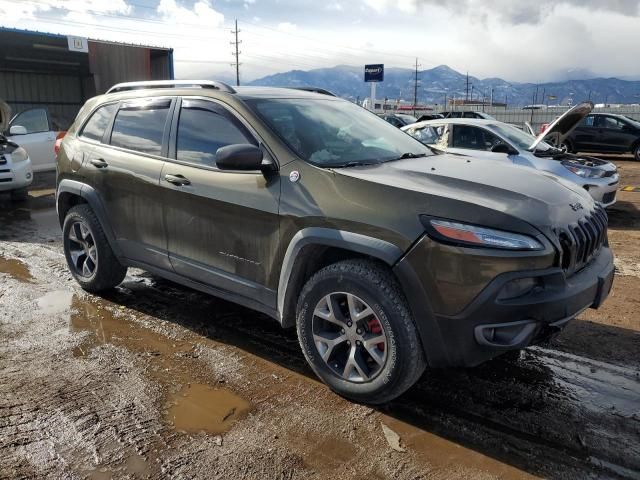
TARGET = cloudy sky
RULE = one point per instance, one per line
(519, 40)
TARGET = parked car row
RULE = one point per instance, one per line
(494, 140)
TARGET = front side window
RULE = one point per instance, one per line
(473, 138)
(335, 133)
(202, 131)
(429, 134)
(140, 126)
(98, 123)
(35, 120)
(586, 121)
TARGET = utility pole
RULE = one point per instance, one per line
(415, 88)
(466, 97)
(236, 54)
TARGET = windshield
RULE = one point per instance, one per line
(521, 140)
(634, 122)
(335, 133)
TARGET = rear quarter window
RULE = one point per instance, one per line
(98, 123)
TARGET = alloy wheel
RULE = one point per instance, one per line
(349, 337)
(82, 249)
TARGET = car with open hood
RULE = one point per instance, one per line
(605, 133)
(498, 141)
(16, 173)
(384, 255)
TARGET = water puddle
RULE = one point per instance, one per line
(57, 301)
(201, 408)
(446, 455)
(16, 269)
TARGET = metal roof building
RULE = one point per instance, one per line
(61, 72)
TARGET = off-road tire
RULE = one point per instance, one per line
(108, 272)
(20, 194)
(375, 285)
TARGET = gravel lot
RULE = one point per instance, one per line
(157, 381)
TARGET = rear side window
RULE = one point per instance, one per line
(98, 123)
(140, 126)
(203, 128)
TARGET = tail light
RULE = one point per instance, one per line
(56, 146)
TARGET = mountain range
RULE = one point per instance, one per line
(437, 83)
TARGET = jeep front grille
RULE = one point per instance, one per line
(581, 241)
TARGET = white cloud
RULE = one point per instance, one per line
(287, 27)
(202, 13)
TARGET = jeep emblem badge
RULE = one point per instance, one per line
(576, 206)
(294, 176)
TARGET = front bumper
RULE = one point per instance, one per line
(15, 175)
(605, 191)
(490, 325)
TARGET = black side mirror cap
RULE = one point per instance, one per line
(242, 157)
(503, 148)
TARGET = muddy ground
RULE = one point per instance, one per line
(157, 381)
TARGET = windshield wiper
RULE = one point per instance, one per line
(411, 155)
(358, 163)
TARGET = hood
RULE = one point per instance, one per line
(564, 124)
(5, 116)
(538, 198)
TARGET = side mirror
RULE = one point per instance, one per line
(239, 157)
(502, 148)
(17, 130)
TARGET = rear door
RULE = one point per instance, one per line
(39, 138)
(124, 167)
(222, 226)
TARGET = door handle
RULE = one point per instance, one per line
(178, 180)
(99, 163)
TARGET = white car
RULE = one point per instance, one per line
(495, 140)
(34, 130)
(16, 173)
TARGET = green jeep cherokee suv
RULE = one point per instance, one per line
(386, 257)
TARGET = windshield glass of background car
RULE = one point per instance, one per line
(331, 133)
(521, 140)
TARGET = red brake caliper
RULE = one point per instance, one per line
(375, 327)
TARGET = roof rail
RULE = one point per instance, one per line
(315, 90)
(123, 87)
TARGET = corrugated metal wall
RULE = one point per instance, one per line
(61, 94)
(110, 64)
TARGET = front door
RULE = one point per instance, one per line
(222, 226)
(612, 135)
(125, 169)
(476, 141)
(39, 138)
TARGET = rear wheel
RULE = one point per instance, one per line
(20, 194)
(566, 146)
(89, 256)
(636, 153)
(356, 332)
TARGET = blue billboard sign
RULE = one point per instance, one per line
(374, 73)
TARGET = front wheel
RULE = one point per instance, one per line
(636, 153)
(357, 333)
(566, 146)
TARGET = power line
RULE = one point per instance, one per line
(237, 53)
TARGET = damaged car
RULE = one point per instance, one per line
(494, 140)
(16, 173)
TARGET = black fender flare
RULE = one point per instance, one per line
(391, 255)
(383, 250)
(92, 197)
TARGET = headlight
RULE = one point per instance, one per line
(19, 155)
(472, 235)
(584, 172)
